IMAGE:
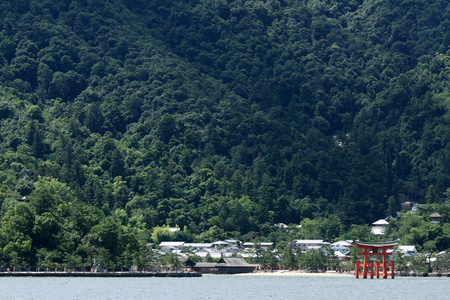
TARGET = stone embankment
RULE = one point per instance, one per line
(100, 274)
(425, 274)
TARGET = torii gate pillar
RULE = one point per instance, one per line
(376, 249)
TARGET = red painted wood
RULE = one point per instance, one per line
(368, 267)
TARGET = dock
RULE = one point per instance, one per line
(100, 274)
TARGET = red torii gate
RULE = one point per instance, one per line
(375, 249)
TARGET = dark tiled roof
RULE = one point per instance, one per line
(234, 261)
(205, 265)
(225, 262)
(435, 215)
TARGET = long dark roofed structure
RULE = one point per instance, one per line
(226, 265)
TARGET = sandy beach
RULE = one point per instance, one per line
(296, 273)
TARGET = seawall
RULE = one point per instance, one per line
(100, 274)
(424, 274)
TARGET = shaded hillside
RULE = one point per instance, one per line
(223, 117)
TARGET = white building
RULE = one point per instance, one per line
(208, 252)
(233, 243)
(342, 246)
(169, 247)
(305, 245)
(407, 249)
(263, 245)
(379, 227)
(342, 256)
(198, 246)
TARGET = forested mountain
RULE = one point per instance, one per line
(218, 116)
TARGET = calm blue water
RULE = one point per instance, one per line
(225, 287)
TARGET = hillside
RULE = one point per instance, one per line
(220, 117)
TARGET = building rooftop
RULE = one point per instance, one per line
(234, 261)
(342, 243)
(198, 245)
(171, 244)
(407, 248)
(435, 215)
(381, 222)
(221, 243)
(308, 241)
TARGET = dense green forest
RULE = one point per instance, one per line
(222, 117)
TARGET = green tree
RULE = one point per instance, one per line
(268, 258)
(161, 234)
(15, 235)
(173, 261)
(357, 232)
(314, 260)
(288, 258)
(117, 167)
(43, 201)
(108, 232)
(45, 229)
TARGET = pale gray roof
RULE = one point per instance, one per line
(198, 245)
(342, 243)
(264, 244)
(381, 222)
(407, 248)
(281, 225)
(340, 254)
(234, 261)
(171, 244)
(205, 265)
(220, 243)
(231, 241)
(308, 241)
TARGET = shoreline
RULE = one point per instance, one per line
(298, 273)
(279, 273)
(335, 274)
(100, 274)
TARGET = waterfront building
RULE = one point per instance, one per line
(226, 265)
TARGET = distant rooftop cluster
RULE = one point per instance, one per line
(235, 248)
(247, 250)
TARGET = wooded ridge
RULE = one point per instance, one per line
(223, 118)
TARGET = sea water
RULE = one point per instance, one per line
(219, 287)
